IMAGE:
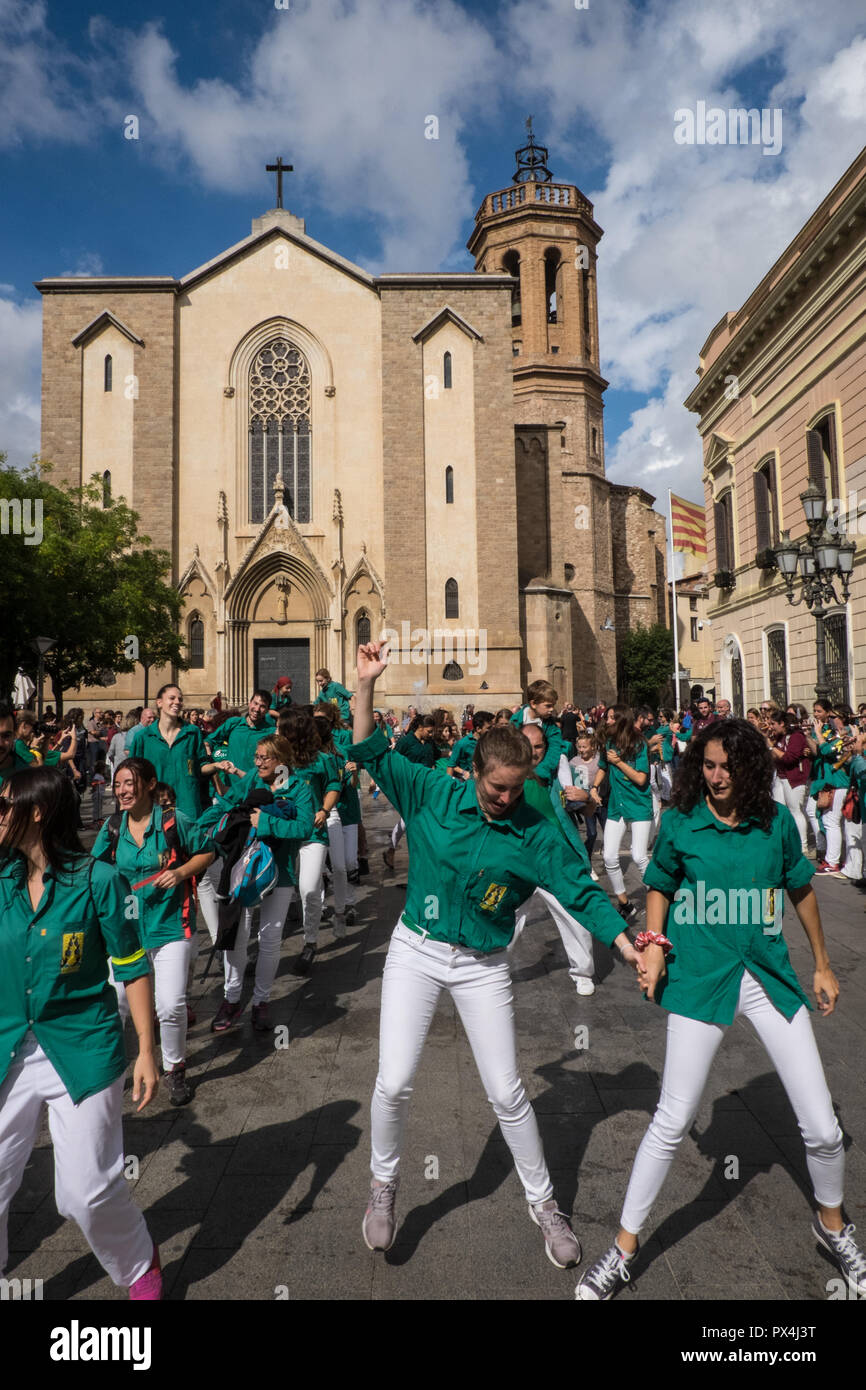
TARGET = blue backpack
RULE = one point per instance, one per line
(254, 875)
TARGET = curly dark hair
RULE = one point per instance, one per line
(297, 726)
(750, 763)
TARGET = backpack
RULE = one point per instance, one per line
(254, 875)
(176, 855)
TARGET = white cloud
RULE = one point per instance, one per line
(87, 263)
(342, 89)
(20, 372)
(45, 91)
(689, 231)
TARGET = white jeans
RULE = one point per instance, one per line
(170, 964)
(311, 867)
(207, 898)
(613, 833)
(343, 857)
(416, 972)
(89, 1186)
(828, 842)
(691, 1048)
(795, 800)
(853, 850)
(272, 915)
(575, 938)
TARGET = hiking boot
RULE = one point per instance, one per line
(379, 1226)
(562, 1245)
(149, 1286)
(179, 1092)
(603, 1278)
(261, 1018)
(304, 962)
(845, 1251)
(227, 1016)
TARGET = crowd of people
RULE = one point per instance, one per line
(232, 813)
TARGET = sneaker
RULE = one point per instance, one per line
(627, 911)
(304, 962)
(602, 1279)
(562, 1245)
(353, 875)
(584, 985)
(190, 1016)
(227, 1016)
(179, 1092)
(593, 875)
(350, 916)
(363, 867)
(825, 867)
(149, 1286)
(261, 1018)
(845, 1251)
(327, 913)
(379, 1226)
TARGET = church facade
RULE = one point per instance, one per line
(328, 455)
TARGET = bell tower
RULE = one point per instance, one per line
(543, 233)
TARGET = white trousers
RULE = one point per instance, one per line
(311, 868)
(398, 832)
(691, 1047)
(170, 964)
(89, 1186)
(272, 916)
(853, 850)
(207, 898)
(575, 938)
(828, 841)
(614, 831)
(795, 800)
(343, 857)
(416, 972)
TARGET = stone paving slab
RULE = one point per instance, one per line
(256, 1190)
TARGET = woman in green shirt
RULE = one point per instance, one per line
(623, 753)
(418, 744)
(477, 851)
(161, 872)
(177, 751)
(332, 693)
(62, 917)
(829, 784)
(319, 771)
(725, 853)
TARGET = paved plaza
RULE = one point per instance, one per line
(256, 1189)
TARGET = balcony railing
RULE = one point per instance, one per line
(520, 194)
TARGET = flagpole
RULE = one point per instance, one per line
(674, 605)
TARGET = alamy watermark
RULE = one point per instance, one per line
(736, 126)
(732, 907)
(421, 646)
(22, 518)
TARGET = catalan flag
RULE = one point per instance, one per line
(688, 526)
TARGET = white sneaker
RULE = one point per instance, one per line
(584, 985)
(593, 875)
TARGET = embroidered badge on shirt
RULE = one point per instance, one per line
(73, 951)
(189, 766)
(493, 897)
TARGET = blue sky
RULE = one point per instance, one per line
(341, 88)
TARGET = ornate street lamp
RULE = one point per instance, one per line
(821, 558)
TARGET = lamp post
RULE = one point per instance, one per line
(821, 558)
(41, 645)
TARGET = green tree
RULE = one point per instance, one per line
(646, 663)
(91, 582)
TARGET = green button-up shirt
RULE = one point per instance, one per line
(628, 801)
(463, 752)
(335, 694)
(823, 772)
(467, 874)
(349, 804)
(284, 837)
(54, 969)
(321, 776)
(556, 744)
(160, 914)
(240, 739)
(726, 917)
(417, 750)
(179, 764)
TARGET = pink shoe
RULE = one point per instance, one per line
(149, 1286)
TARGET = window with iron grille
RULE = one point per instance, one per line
(279, 429)
(362, 629)
(452, 600)
(777, 664)
(737, 687)
(196, 642)
(836, 653)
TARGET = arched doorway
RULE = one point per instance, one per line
(277, 624)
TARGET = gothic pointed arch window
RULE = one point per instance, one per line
(446, 371)
(552, 284)
(511, 266)
(362, 628)
(107, 373)
(452, 599)
(196, 641)
(449, 484)
(280, 432)
(106, 488)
